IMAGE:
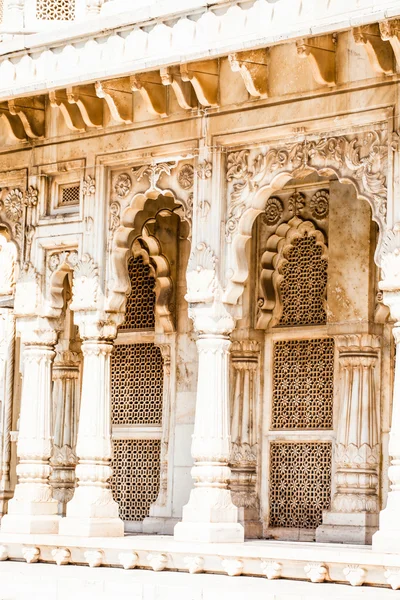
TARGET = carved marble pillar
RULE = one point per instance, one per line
(32, 509)
(92, 510)
(353, 517)
(243, 461)
(65, 407)
(210, 515)
(7, 352)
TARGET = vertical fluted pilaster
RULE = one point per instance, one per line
(7, 353)
(243, 460)
(355, 505)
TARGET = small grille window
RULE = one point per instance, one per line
(55, 10)
(69, 195)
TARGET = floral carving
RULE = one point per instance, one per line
(115, 212)
(186, 177)
(85, 284)
(271, 569)
(59, 258)
(319, 204)
(201, 274)
(355, 574)
(128, 560)
(153, 173)
(89, 186)
(13, 205)
(31, 196)
(204, 170)
(123, 185)
(360, 158)
(316, 572)
(273, 210)
(195, 564)
(61, 556)
(296, 203)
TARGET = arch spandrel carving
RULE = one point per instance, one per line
(252, 177)
(272, 262)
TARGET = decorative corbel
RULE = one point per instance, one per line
(204, 76)
(183, 90)
(321, 53)
(390, 32)
(253, 67)
(118, 95)
(30, 111)
(13, 123)
(70, 112)
(379, 51)
(88, 103)
(152, 91)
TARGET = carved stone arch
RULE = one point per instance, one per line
(137, 221)
(60, 265)
(8, 262)
(359, 161)
(274, 258)
(150, 249)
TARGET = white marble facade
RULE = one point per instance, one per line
(200, 287)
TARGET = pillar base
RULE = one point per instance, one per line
(91, 527)
(209, 532)
(30, 524)
(160, 525)
(347, 528)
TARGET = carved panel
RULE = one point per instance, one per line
(136, 479)
(141, 300)
(300, 483)
(305, 275)
(137, 384)
(303, 384)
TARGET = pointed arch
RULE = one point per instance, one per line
(273, 261)
(141, 221)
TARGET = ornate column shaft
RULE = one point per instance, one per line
(243, 460)
(32, 509)
(92, 511)
(65, 405)
(210, 515)
(7, 350)
(353, 517)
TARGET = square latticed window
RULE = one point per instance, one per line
(69, 194)
(300, 483)
(302, 396)
(55, 10)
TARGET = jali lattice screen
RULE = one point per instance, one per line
(141, 300)
(55, 10)
(304, 283)
(302, 395)
(136, 384)
(300, 483)
(136, 478)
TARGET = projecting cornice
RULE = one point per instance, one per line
(116, 46)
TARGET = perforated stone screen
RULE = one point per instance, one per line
(136, 478)
(304, 283)
(302, 396)
(55, 10)
(136, 384)
(69, 195)
(300, 483)
(142, 298)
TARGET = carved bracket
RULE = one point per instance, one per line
(25, 117)
(378, 50)
(182, 89)
(321, 53)
(118, 95)
(152, 91)
(390, 31)
(70, 112)
(204, 76)
(89, 104)
(253, 67)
